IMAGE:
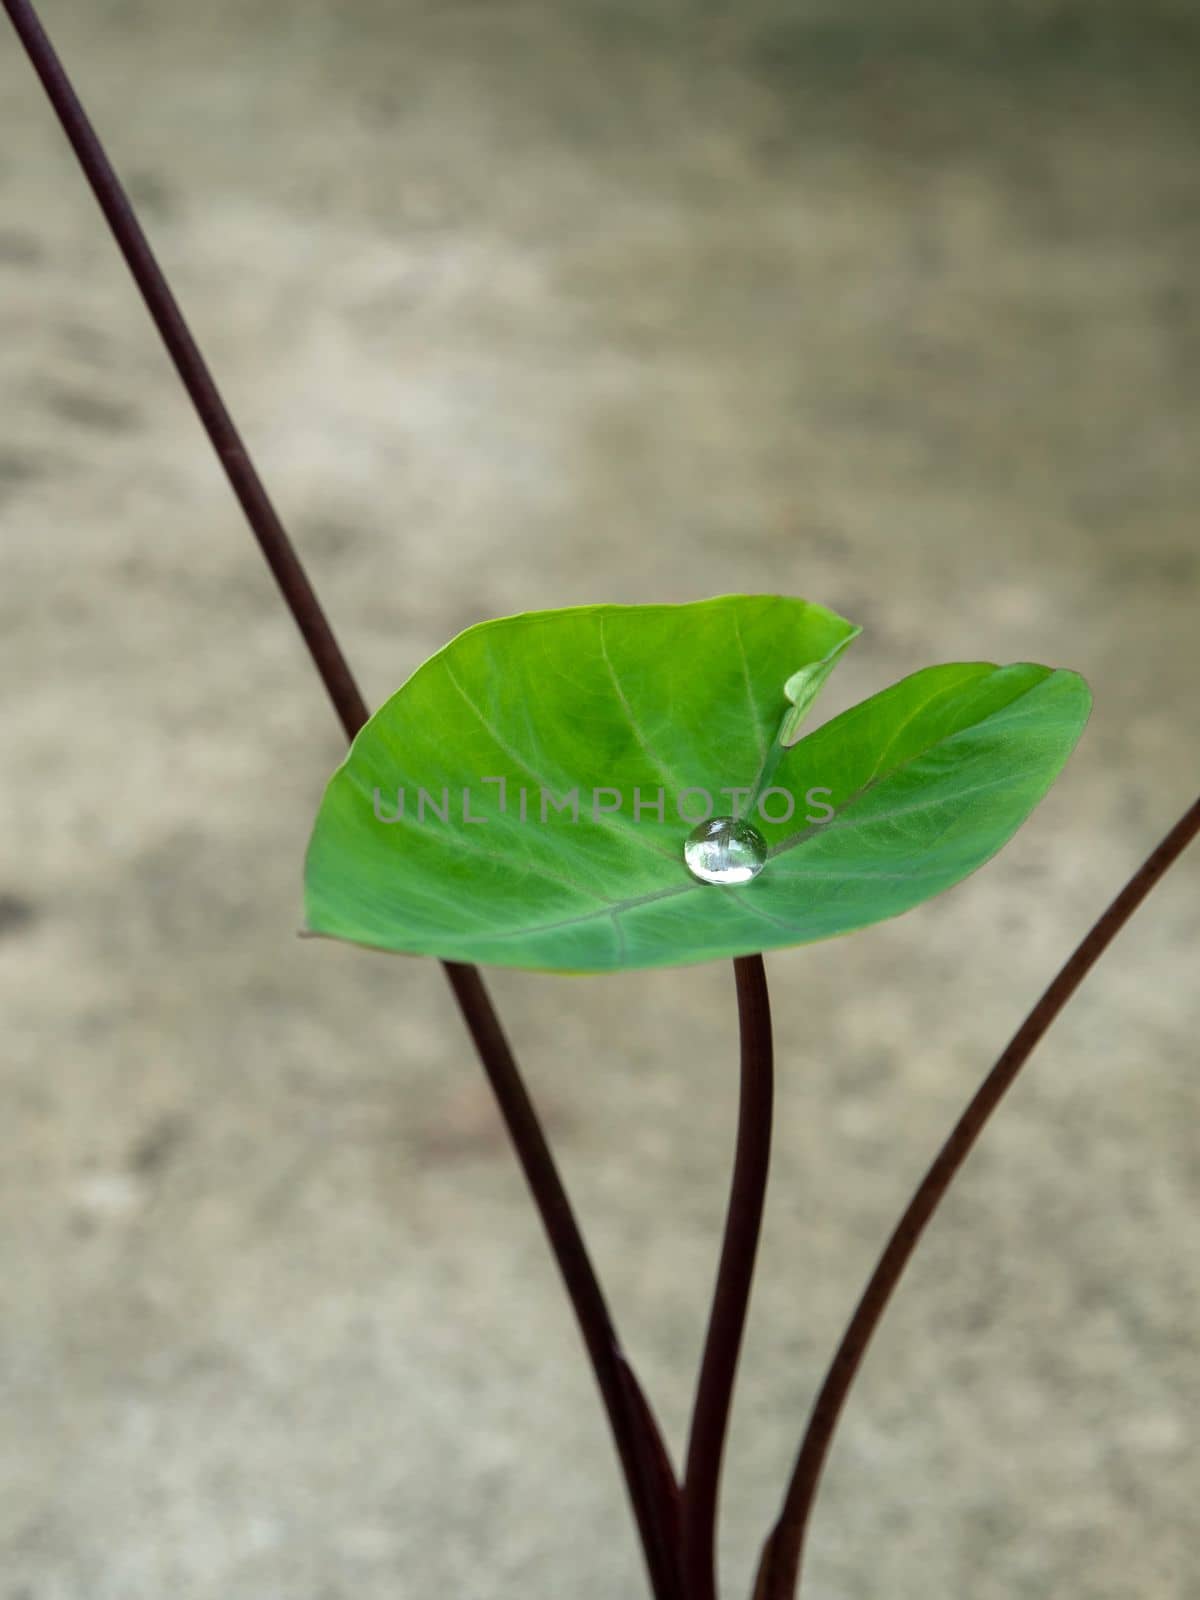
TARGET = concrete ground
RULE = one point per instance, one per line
(522, 306)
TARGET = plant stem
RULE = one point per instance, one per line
(632, 1424)
(638, 1440)
(727, 1320)
(779, 1569)
(193, 371)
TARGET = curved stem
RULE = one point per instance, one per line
(779, 1570)
(639, 1443)
(727, 1320)
(193, 371)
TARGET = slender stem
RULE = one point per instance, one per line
(727, 1320)
(660, 1484)
(779, 1571)
(630, 1417)
(192, 369)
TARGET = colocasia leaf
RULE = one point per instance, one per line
(526, 797)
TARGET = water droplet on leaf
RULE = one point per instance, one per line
(724, 850)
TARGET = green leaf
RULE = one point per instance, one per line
(621, 707)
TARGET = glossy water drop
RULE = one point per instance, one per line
(724, 850)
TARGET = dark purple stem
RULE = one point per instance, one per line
(636, 1434)
(779, 1570)
(638, 1442)
(735, 1273)
(193, 371)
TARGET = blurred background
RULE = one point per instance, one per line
(894, 306)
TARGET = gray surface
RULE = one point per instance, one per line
(525, 306)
